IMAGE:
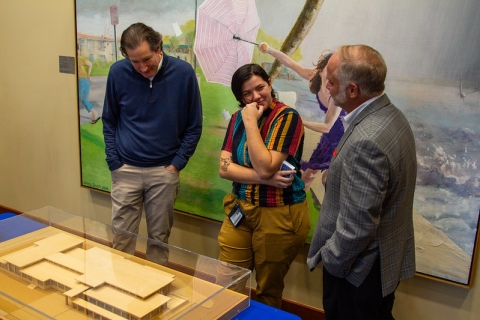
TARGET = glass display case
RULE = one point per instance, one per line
(56, 265)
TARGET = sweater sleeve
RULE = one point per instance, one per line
(194, 126)
(110, 122)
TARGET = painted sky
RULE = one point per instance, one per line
(424, 40)
(93, 16)
(427, 40)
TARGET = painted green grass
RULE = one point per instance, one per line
(95, 172)
(201, 188)
(313, 210)
(101, 68)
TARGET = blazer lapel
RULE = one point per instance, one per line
(373, 107)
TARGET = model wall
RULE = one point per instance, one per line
(39, 159)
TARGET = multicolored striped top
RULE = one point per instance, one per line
(282, 130)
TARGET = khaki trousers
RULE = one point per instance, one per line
(133, 188)
(267, 240)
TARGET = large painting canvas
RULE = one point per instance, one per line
(432, 52)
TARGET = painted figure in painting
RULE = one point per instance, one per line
(266, 215)
(365, 235)
(332, 127)
(152, 121)
(84, 70)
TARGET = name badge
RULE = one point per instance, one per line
(236, 215)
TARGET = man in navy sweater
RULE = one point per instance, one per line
(152, 122)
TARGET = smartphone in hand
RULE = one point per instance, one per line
(287, 166)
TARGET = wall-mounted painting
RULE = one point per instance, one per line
(431, 50)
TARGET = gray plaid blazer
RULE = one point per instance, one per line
(367, 210)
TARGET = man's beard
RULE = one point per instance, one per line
(341, 98)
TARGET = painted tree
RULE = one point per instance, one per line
(188, 30)
(299, 31)
(274, 42)
(174, 43)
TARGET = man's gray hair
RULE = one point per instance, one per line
(363, 66)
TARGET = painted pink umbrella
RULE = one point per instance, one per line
(220, 26)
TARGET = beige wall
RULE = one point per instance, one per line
(39, 159)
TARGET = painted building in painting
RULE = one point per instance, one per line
(102, 49)
(98, 48)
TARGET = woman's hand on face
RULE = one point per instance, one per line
(252, 112)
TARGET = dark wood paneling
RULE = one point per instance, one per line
(303, 311)
(4, 209)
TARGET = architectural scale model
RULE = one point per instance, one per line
(98, 282)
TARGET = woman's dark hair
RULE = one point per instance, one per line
(135, 34)
(316, 82)
(244, 73)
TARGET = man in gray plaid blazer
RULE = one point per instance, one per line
(364, 235)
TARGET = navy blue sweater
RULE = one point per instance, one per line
(151, 123)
